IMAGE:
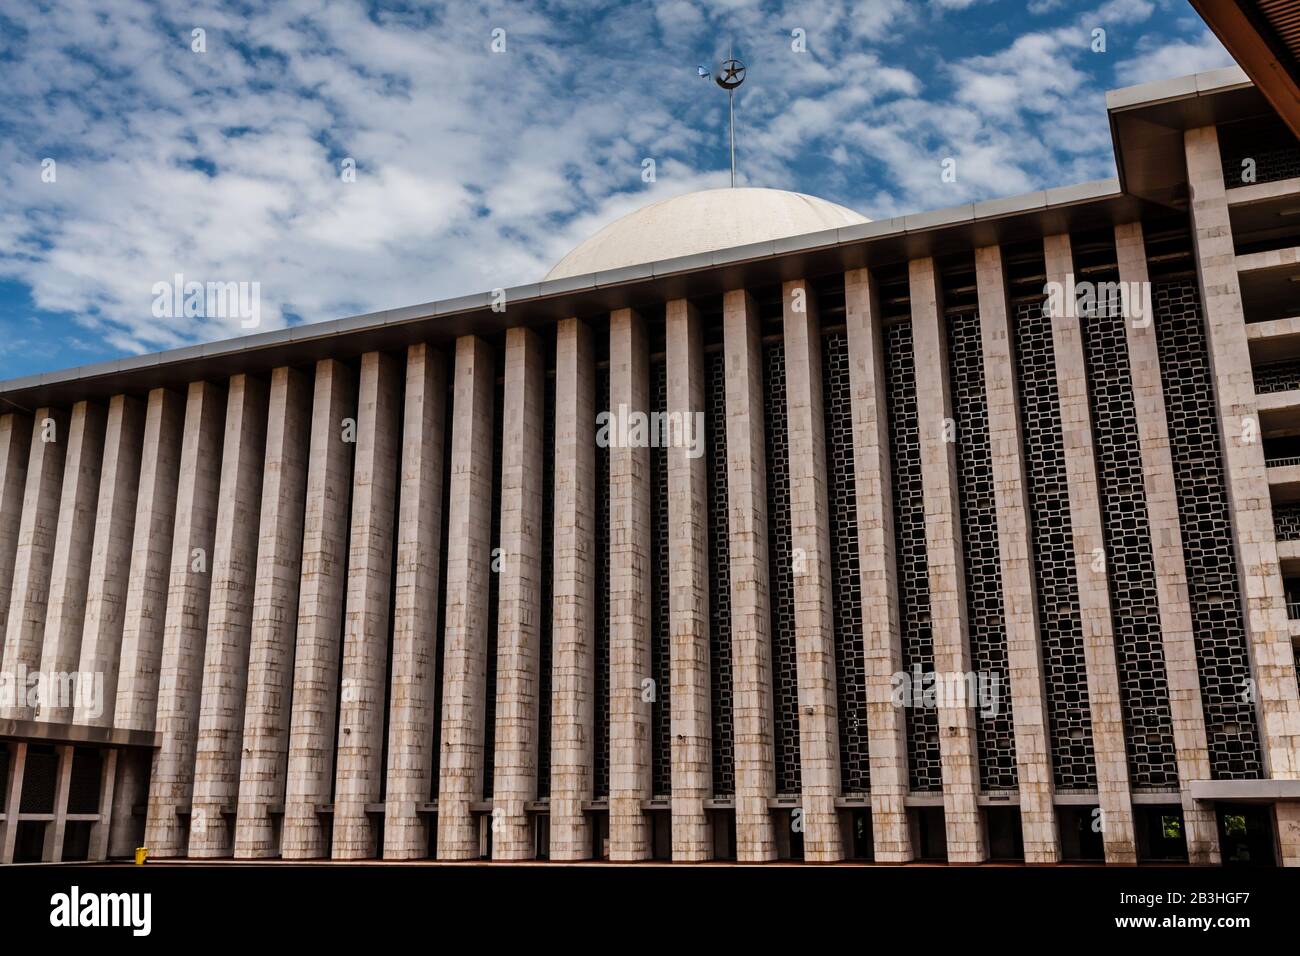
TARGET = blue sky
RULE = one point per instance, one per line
(478, 169)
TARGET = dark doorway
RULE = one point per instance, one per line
(1246, 835)
(931, 835)
(859, 844)
(724, 834)
(789, 833)
(542, 836)
(600, 836)
(661, 834)
(1081, 840)
(1006, 840)
(1160, 834)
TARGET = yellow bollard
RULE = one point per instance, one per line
(141, 854)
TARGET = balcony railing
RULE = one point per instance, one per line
(1293, 610)
(1282, 462)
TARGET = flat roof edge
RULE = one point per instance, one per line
(1206, 83)
(1041, 203)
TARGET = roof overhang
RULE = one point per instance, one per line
(1147, 123)
(1264, 37)
(947, 231)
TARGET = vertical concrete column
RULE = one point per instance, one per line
(519, 605)
(101, 828)
(810, 536)
(310, 741)
(130, 790)
(146, 605)
(411, 716)
(56, 829)
(751, 645)
(877, 568)
(573, 601)
(70, 569)
(180, 679)
(151, 549)
(465, 640)
(1176, 632)
(360, 767)
(1267, 628)
(1020, 605)
(15, 446)
(275, 614)
(110, 560)
(688, 584)
(220, 725)
(34, 556)
(1090, 561)
(958, 750)
(629, 592)
(13, 796)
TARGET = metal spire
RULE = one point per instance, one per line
(731, 73)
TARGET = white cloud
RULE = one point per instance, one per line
(1177, 58)
(476, 170)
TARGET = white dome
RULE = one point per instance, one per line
(702, 222)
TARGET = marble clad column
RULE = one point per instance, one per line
(15, 446)
(70, 570)
(1029, 714)
(629, 594)
(810, 539)
(1176, 632)
(275, 613)
(185, 628)
(520, 602)
(34, 557)
(412, 762)
(688, 581)
(952, 658)
(359, 773)
(574, 568)
(309, 738)
(751, 647)
(1094, 590)
(877, 568)
(1267, 627)
(110, 560)
(469, 543)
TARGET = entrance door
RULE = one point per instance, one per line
(1246, 834)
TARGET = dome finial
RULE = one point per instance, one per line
(731, 73)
